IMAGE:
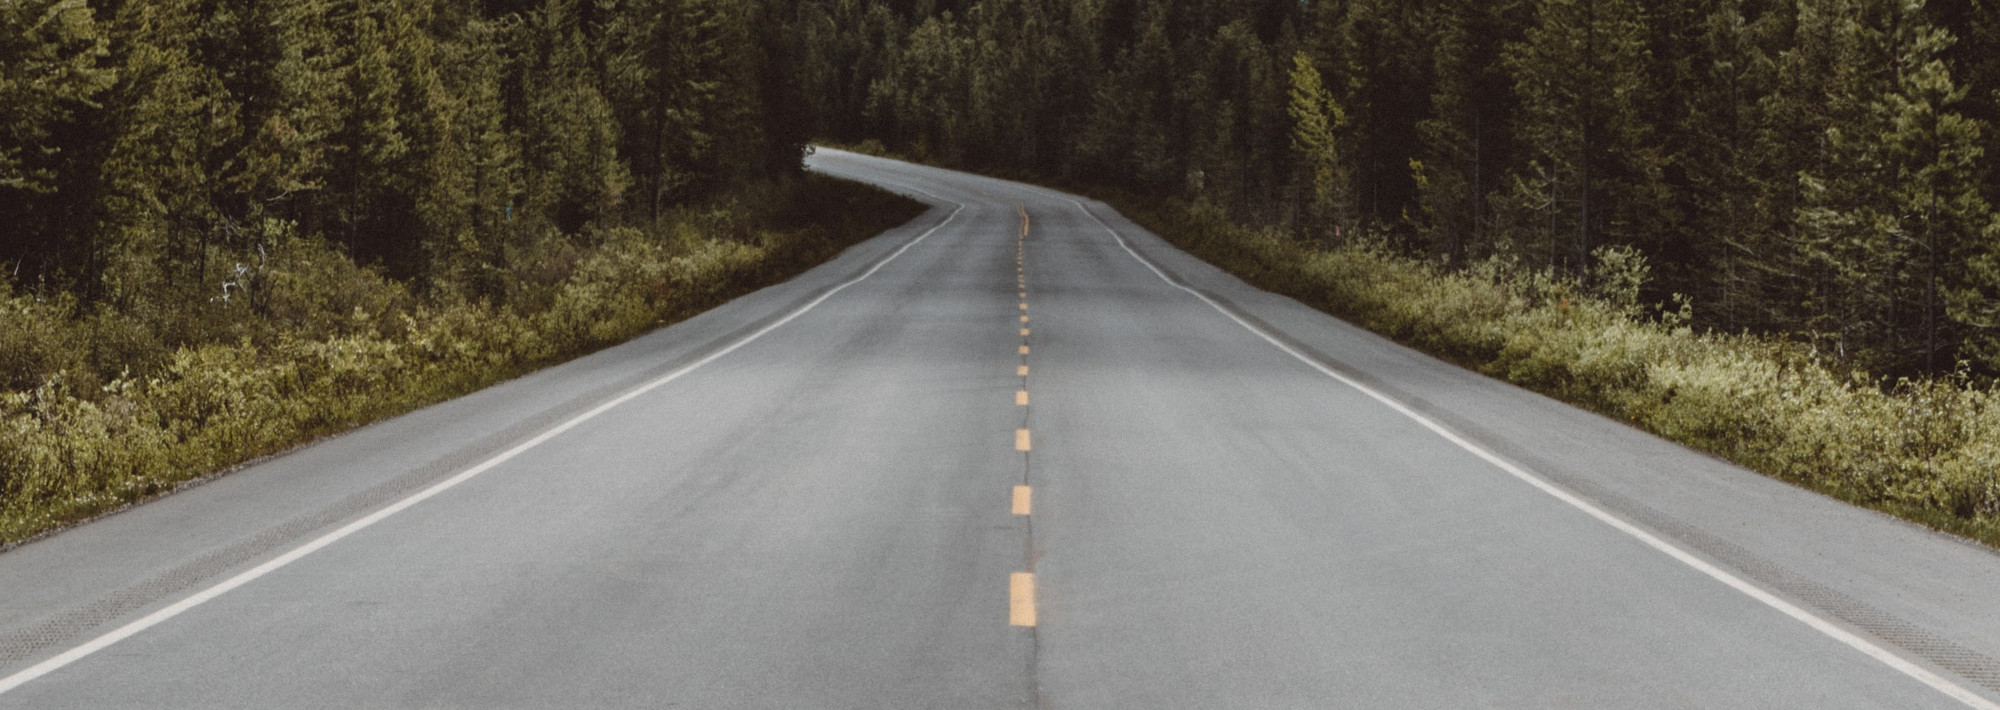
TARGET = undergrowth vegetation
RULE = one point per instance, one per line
(1927, 450)
(96, 411)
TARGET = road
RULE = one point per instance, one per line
(1017, 453)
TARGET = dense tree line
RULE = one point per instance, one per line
(1816, 168)
(153, 153)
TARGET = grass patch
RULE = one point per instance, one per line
(1924, 450)
(326, 346)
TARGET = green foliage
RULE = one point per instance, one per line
(309, 213)
(52, 50)
(1807, 169)
(34, 342)
(344, 345)
(1580, 73)
(184, 174)
(1315, 118)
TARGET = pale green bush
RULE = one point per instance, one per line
(37, 338)
(340, 345)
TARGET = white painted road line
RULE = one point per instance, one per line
(197, 599)
(1818, 623)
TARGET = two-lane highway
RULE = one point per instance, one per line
(1017, 453)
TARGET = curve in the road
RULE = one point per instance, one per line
(1213, 497)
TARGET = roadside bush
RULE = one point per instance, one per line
(97, 413)
(38, 338)
(309, 290)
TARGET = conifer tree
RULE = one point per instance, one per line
(53, 52)
(678, 78)
(570, 132)
(53, 71)
(1578, 73)
(926, 90)
(1316, 121)
(1892, 213)
(177, 127)
(477, 164)
(1463, 138)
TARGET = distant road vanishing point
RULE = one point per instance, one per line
(1019, 453)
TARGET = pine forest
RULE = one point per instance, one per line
(312, 193)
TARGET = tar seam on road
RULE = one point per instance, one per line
(1817, 623)
(197, 599)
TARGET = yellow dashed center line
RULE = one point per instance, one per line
(1021, 599)
(1021, 585)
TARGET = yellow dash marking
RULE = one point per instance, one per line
(1021, 397)
(1024, 332)
(1020, 440)
(1024, 306)
(1024, 319)
(1021, 371)
(1023, 499)
(1021, 599)
(1024, 350)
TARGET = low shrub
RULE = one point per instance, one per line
(337, 346)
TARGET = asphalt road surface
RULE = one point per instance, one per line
(1016, 453)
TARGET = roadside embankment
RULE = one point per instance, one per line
(321, 345)
(1924, 450)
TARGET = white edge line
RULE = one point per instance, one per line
(197, 599)
(1818, 623)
